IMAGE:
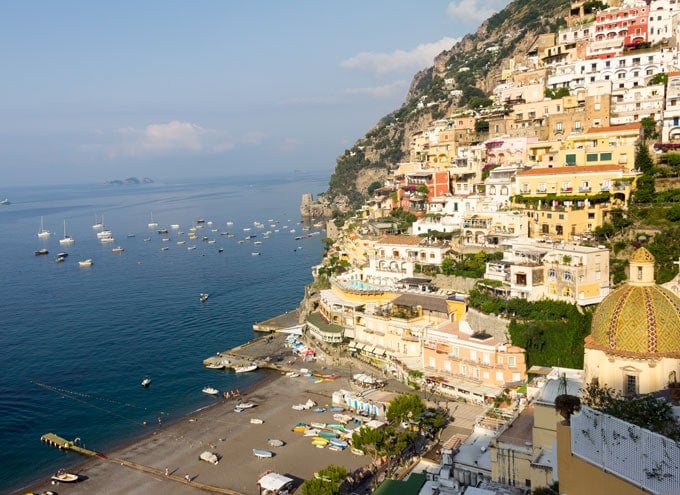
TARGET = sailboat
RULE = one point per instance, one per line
(67, 239)
(152, 224)
(97, 225)
(42, 233)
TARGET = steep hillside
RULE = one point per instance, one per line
(475, 64)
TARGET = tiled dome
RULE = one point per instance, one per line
(638, 318)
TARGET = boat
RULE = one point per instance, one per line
(97, 225)
(263, 454)
(87, 262)
(275, 442)
(117, 249)
(210, 391)
(215, 366)
(43, 233)
(152, 224)
(5, 202)
(106, 240)
(254, 253)
(146, 381)
(40, 252)
(203, 297)
(131, 235)
(62, 476)
(245, 405)
(210, 457)
(319, 409)
(245, 369)
(256, 421)
(67, 239)
(336, 409)
(339, 443)
(320, 441)
(174, 226)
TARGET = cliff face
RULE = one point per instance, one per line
(474, 64)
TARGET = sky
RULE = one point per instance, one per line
(94, 91)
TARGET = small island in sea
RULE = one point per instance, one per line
(128, 181)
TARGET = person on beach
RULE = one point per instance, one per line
(167, 471)
(187, 477)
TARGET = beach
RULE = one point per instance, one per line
(139, 468)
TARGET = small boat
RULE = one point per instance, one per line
(215, 366)
(203, 297)
(336, 409)
(41, 252)
(191, 248)
(245, 405)
(87, 262)
(67, 239)
(106, 240)
(210, 457)
(356, 451)
(131, 235)
(275, 442)
(174, 226)
(43, 233)
(339, 443)
(245, 369)
(220, 250)
(181, 243)
(210, 391)
(255, 254)
(152, 224)
(146, 381)
(263, 454)
(165, 248)
(5, 202)
(320, 441)
(319, 409)
(256, 421)
(117, 249)
(64, 477)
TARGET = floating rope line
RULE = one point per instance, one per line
(80, 397)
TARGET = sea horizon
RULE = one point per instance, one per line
(77, 341)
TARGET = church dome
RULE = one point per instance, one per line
(639, 318)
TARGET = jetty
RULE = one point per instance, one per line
(280, 322)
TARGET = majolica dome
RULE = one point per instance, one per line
(639, 318)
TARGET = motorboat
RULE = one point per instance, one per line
(117, 249)
(263, 454)
(275, 442)
(203, 296)
(254, 253)
(245, 405)
(256, 421)
(146, 381)
(215, 366)
(245, 369)
(5, 202)
(62, 476)
(210, 391)
(87, 262)
(41, 252)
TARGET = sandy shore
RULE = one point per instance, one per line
(229, 434)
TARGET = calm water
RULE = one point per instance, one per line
(76, 342)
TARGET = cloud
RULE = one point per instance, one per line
(395, 88)
(399, 60)
(169, 138)
(474, 11)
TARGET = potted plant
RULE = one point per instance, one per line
(566, 405)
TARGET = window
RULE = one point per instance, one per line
(571, 158)
(463, 370)
(473, 355)
(552, 274)
(567, 276)
(499, 377)
(591, 157)
(605, 156)
(630, 386)
(512, 362)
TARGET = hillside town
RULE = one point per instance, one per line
(560, 158)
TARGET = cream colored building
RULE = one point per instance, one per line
(613, 145)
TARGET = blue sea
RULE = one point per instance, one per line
(76, 342)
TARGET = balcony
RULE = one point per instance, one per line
(566, 189)
(584, 189)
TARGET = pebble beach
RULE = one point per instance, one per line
(140, 467)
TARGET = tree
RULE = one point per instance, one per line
(643, 160)
(660, 78)
(648, 128)
(481, 126)
(405, 407)
(645, 191)
(373, 186)
(326, 481)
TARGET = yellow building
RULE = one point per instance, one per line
(566, 203)
(613, 145)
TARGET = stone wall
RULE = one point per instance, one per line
(493, 325)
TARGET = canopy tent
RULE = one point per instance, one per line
(275, 482)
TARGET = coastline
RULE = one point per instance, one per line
(177, 444)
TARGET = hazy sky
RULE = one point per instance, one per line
(91, 91)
